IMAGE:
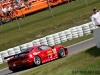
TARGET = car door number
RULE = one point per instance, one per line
(50, 55)
(54, 52)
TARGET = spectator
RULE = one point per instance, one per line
(9, 12)
(27, 3)
(19, 3)
(3, 0)
(14, 4)
(0, 19)
(32, 1)
(4, 11)
(0, 0)
(13, 10)
(96, 18)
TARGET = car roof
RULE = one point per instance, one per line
(38, 46)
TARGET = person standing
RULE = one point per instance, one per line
(9, 12)
(96, 18)
(18, 3)
(1, 15)
(4, 11)
(27, 3)
(0, 19)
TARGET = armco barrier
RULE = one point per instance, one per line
(51, 40)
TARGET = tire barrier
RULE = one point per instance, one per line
(4, 54)
(17, 49)
(1, 60)
(51, 40)
(86, 29)
(43, 41)
(36, 42)
(29, 44)
(0, 54)
(11, 51)
(23, 46)
(68, 34)
(74, 32)
(79, 31)
(56, 38)
(62, 36)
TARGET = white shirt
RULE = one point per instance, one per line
(19, 1)
(4, 10)
(9, 9)
(96, 18)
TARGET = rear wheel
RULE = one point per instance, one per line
(62, 52)
(37, 60)
(14, 70)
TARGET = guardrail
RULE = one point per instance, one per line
(51, 40)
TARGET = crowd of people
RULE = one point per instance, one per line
(7, 11)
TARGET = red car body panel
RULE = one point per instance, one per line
(27, 59)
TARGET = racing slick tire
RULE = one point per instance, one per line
(37, 60)
(62, 53)
(14, 70)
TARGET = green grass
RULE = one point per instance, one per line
(4, 65)
(76, 64)
(42, 24)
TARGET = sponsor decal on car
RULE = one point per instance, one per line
(54, 50)
(50, 51)
(36, 53)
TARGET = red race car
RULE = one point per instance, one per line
(35, 55)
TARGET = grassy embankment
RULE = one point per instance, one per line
(41, 24)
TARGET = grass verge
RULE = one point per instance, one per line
(37, 25)
(86, 62)
(4, 65)
(70, 42)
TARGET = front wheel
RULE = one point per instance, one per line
(62, 52)
(37, 60)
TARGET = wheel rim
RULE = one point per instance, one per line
(62, 52)
(37, 61)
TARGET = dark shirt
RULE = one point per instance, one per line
(25, 0)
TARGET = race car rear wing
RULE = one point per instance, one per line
(11, 56)
(15, 55)
(8, 57)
